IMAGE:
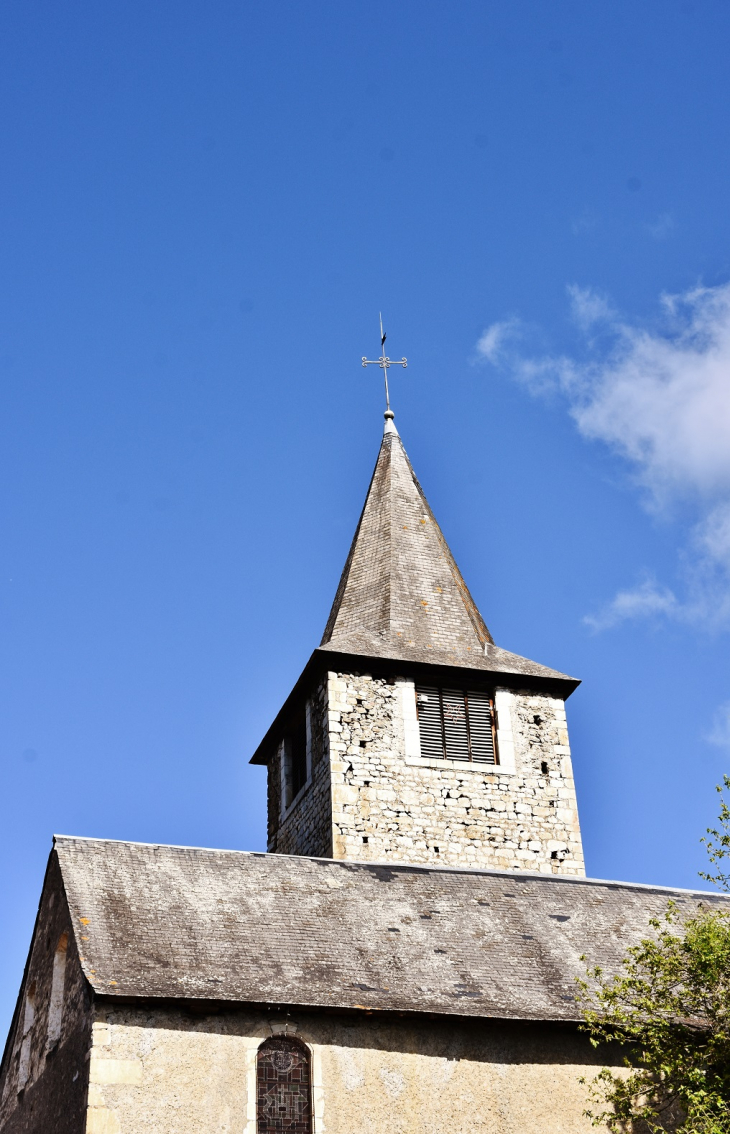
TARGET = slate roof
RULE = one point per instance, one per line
(180, 922)
(401, 595)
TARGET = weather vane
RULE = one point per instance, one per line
(384, 362)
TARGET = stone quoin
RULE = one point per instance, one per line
(403, 619)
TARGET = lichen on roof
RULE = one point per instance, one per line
(181, 923)
(401, 594)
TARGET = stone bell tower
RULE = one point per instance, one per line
(411, 737)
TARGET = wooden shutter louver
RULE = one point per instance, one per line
(456, 725)
(481, 730)
(430, 726)
(456, 732)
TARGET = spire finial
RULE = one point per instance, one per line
(384, 362)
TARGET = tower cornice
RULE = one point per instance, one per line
(503, 670)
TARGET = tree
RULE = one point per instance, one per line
(720, 848)
(669, 1010)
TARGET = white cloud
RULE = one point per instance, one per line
(588, 308)
(646, 600)
(662, 399)
(659, 396)
(492, 342)
(714, 532)
(720, 732)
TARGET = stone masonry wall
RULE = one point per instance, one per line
(44, 1074)
(167, 1071)
(306, 827)
(388, 803)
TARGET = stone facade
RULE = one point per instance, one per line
(175, 1073)
(305, 825)
(371, 796)
(44, 1069)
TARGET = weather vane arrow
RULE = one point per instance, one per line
(384, 363)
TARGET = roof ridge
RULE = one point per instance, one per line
(512, 875)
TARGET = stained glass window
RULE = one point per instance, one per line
(283, 1087)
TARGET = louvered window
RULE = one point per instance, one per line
(296, 751)
(294, 758)
(456, 724)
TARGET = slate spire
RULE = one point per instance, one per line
(401, 588)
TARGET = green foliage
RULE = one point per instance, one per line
(720, 848)
(669, 1010)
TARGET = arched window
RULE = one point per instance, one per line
(283, 1087)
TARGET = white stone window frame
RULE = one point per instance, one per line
(503, 700)
(253, 1043)
(285, 809)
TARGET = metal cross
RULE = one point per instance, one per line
(384, 362)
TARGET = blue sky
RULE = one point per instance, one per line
(203, 208)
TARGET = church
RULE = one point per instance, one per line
(402, 960)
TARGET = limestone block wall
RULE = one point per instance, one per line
(390, 803)
(305, 827)
(178, 1073)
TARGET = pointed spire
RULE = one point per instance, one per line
(401, 587)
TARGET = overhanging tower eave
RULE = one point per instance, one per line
(499, 667)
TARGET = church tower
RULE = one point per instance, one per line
(410, 737)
